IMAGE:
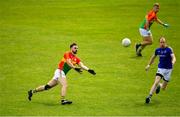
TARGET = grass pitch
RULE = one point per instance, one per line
(34, 34)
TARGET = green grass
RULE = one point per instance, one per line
(34, 34)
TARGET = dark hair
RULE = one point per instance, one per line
(73, 44)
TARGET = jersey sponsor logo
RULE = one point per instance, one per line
(162, 53)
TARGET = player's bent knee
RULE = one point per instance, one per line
(47, 87)
(150, 42)
(163, 87)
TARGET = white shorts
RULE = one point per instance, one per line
(164, 73)
(59, 74)
(144, 32)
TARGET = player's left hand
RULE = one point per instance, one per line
(92, 71)
(166, 25)
(79, 70)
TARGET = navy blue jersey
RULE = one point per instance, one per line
(165, 59)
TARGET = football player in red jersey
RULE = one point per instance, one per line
(68, 62)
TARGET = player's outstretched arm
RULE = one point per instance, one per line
(79, 70)
(86, 68)
(70, 64)
(150, 62)
(160, 22)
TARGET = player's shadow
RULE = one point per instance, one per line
(152, 103)
(47, 103)
(135, 57)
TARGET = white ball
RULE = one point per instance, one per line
(126, 42)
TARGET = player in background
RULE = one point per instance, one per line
(166, 61)
(68, 62)
(145, 31)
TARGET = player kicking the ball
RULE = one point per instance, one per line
(68, 62)
(166, 61)
(145, 29)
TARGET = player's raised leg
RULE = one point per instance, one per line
(49, 85)
(147, 40)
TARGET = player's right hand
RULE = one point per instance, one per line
(92, 71)
(166, 25)
(79, 70)
(147, 67)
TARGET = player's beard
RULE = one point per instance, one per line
(75, 52)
